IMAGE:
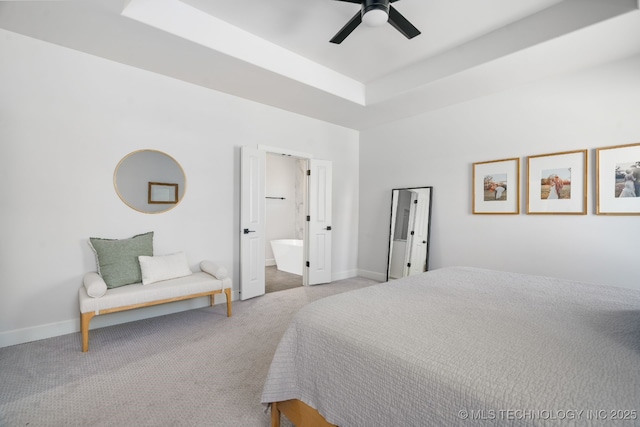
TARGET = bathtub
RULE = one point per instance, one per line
(288, 255)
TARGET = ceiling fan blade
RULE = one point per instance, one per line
(401, 24)
(347, 29)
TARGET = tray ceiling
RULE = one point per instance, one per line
(278, 52)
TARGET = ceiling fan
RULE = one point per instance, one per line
(374, 13)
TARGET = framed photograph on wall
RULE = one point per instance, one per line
(496, 187)
(557, 183)
(618, 180)
(163, 193)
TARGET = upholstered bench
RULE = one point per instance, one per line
(129, 277)
(212, 280)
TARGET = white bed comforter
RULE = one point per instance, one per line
(465, 346)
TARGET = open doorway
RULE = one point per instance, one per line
(317, 231)
(285, 212)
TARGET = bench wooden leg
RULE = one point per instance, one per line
(275, 415)
(227, 292)
(85, 320)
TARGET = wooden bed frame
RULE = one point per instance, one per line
(299, 413)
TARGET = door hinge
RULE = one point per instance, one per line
(408, 264)
(413, 232)
(308, 265)
(415, 202)
(308, 172)
(308, 217)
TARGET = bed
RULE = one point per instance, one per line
(461, 346)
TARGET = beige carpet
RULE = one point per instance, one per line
(195, 368)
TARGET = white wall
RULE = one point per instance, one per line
(66, 120)
(595, 108)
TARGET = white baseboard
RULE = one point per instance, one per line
(341, 275)
(40, 332)
(50, 330)
(269, 262)
(373, 275)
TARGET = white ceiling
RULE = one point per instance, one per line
(305, 26)
(277, 52)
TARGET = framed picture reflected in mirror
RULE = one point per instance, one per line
(163, 193)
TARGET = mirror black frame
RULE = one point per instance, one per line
(395, 194)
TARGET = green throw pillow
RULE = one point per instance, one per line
(118, 259)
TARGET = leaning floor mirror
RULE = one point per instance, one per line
(409, 231)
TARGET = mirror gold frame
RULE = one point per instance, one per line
(140, 171)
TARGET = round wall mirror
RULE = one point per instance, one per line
(150, 181)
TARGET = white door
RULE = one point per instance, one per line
(318, 242)
(252, 222)
(419, 232)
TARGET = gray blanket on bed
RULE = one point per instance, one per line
(465, 346)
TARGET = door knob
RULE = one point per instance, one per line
(328, 228)
(247, 231)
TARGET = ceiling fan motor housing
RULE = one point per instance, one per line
(375, 12)
(368, 5)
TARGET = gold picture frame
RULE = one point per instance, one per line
(557, 183)
(496, 187)
(163, 193)
(618, 180)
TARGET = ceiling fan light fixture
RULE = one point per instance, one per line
(375, 13)
(375, 17)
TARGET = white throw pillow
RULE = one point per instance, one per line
(163, 267)
(95, 285)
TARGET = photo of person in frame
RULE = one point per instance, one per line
(555, 184)
(627, 179)
(495, 187)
